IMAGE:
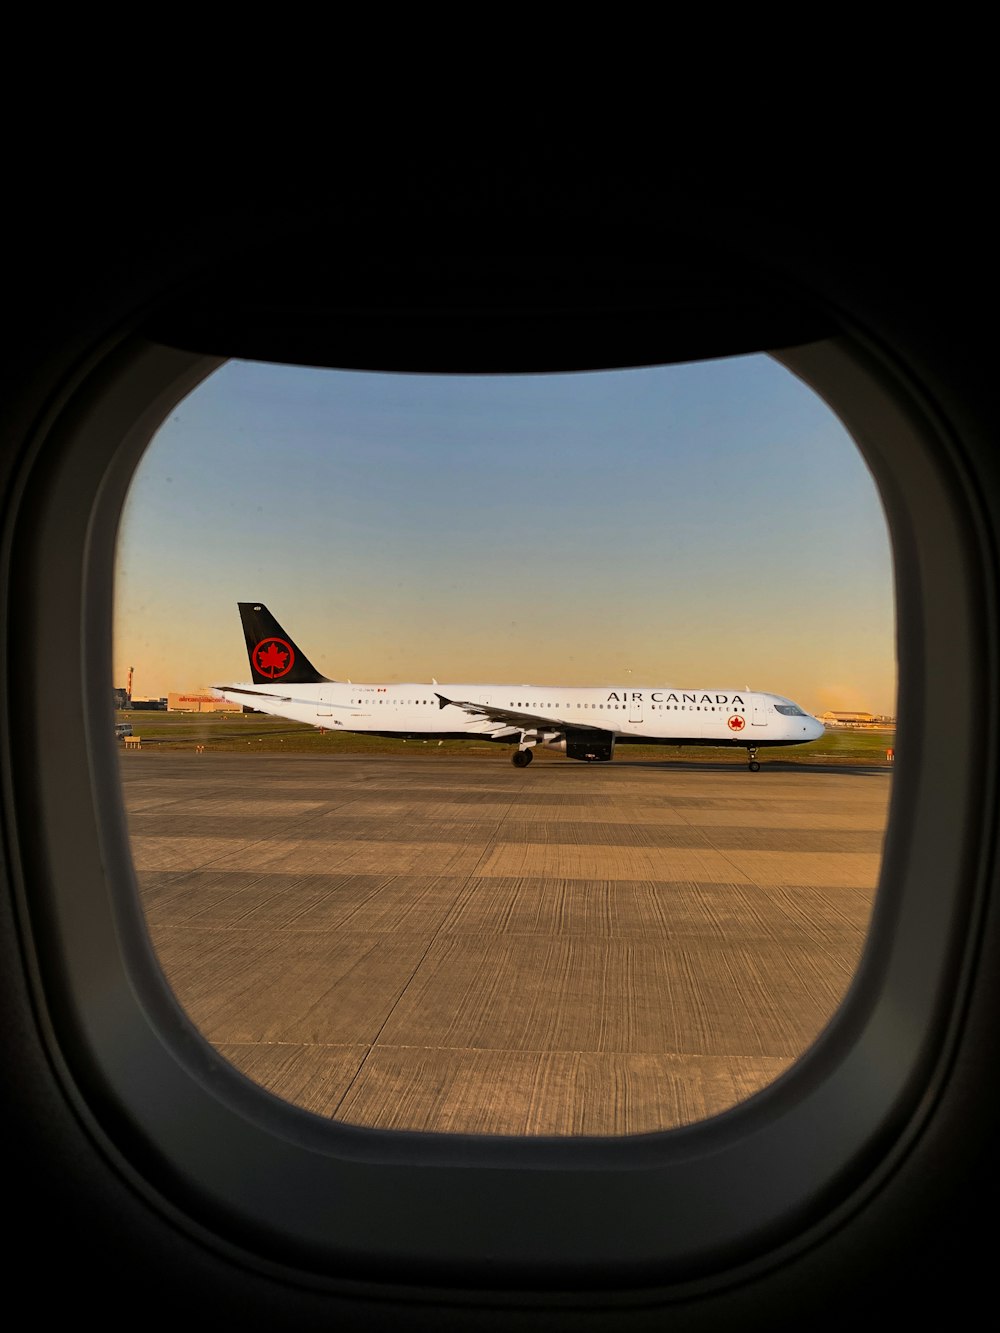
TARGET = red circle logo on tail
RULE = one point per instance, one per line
(273, 658)
(737, 723)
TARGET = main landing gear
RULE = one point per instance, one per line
(752, 763)
(521, 758)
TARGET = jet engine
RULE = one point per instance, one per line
(590, 746)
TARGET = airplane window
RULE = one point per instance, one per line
(433, 938)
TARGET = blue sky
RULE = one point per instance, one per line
(707, 524)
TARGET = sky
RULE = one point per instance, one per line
(709, 524)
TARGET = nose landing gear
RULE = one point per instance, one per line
(752, 763)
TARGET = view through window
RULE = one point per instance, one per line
(392, 926)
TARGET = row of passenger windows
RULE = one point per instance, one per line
(666, 708)
(399, 702)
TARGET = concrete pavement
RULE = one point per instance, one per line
(455, 944)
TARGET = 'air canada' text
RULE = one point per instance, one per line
(659, 697)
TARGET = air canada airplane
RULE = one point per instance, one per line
(583, 723)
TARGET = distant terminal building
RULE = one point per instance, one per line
(149, 705)
(200, 703)
(834, 719)
(121, 697)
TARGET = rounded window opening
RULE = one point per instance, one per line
(358, 899)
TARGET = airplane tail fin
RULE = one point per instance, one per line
(273, 655)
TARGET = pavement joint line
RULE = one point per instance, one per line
(487, 849)
(204, 865)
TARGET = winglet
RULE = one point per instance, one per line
(442, 701)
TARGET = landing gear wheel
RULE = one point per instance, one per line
(753, 766)
(521, 758)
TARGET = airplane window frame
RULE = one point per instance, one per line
(247, 1171)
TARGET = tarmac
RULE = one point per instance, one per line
(457, 945)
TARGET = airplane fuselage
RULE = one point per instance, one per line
(644, 715)
(585, 723)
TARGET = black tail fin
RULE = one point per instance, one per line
(273, 655)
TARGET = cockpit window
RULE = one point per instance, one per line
(790, 710)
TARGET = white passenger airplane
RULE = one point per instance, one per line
(584, 723)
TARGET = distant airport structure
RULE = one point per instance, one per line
(877, 720)
(175, 702)
(200, 703)
(123, 702)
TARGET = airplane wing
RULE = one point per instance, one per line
(513, 717)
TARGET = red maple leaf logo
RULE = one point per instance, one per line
(273, 658)
(737, 723)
